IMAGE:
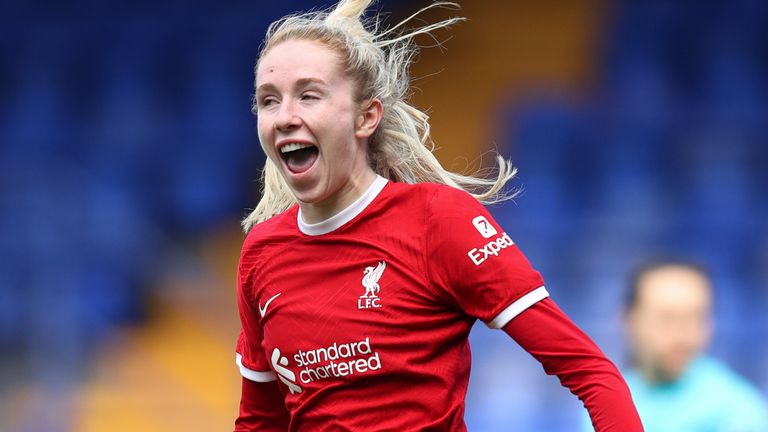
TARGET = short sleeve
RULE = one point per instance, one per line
(250, 357)
(475, 262)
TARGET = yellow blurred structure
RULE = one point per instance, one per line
(502, 52)
(178, 372)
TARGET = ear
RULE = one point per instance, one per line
(368, 120)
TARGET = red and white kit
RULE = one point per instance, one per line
(362, 320)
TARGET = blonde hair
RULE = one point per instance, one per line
(401, 149)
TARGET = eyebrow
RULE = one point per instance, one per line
(303, 82)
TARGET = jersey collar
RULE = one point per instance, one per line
(336, 221)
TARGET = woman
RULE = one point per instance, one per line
(366, 263)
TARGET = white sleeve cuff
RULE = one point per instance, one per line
(252, 374)
(518, 307)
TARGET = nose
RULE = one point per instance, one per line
(287, 118)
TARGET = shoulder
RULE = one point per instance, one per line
(437, 196)
(273, 232)
(278, 225)
(450, 205)
(429, 190)
(724, 381)
(420, 196)
(437, 203)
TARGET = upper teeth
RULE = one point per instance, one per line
(293, 146)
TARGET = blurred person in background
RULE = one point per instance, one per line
(366, 263)
(675, 385)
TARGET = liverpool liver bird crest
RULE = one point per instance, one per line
(371, 278)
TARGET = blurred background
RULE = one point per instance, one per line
(128, 154)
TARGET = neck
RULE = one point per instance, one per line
(353, 189)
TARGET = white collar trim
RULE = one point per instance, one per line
(336, 221)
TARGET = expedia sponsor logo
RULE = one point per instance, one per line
(491, 249)
(337, 360)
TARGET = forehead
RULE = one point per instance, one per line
(292, 60)
(673, 287)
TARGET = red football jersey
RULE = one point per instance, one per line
(364, 318)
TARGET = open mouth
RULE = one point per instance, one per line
(299, 157)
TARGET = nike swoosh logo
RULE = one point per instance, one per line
(263, 310)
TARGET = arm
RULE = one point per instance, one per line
(564, 350)
(473, 263)
(261, 408)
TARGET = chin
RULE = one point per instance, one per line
(674, 370)
(302, 189)
(308, 195)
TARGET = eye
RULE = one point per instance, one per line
(267, 101)
(309, 96)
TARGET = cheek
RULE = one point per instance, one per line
(261, 124)
(698, 336)
(263, 133)
(341, 146)
(650, 336)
